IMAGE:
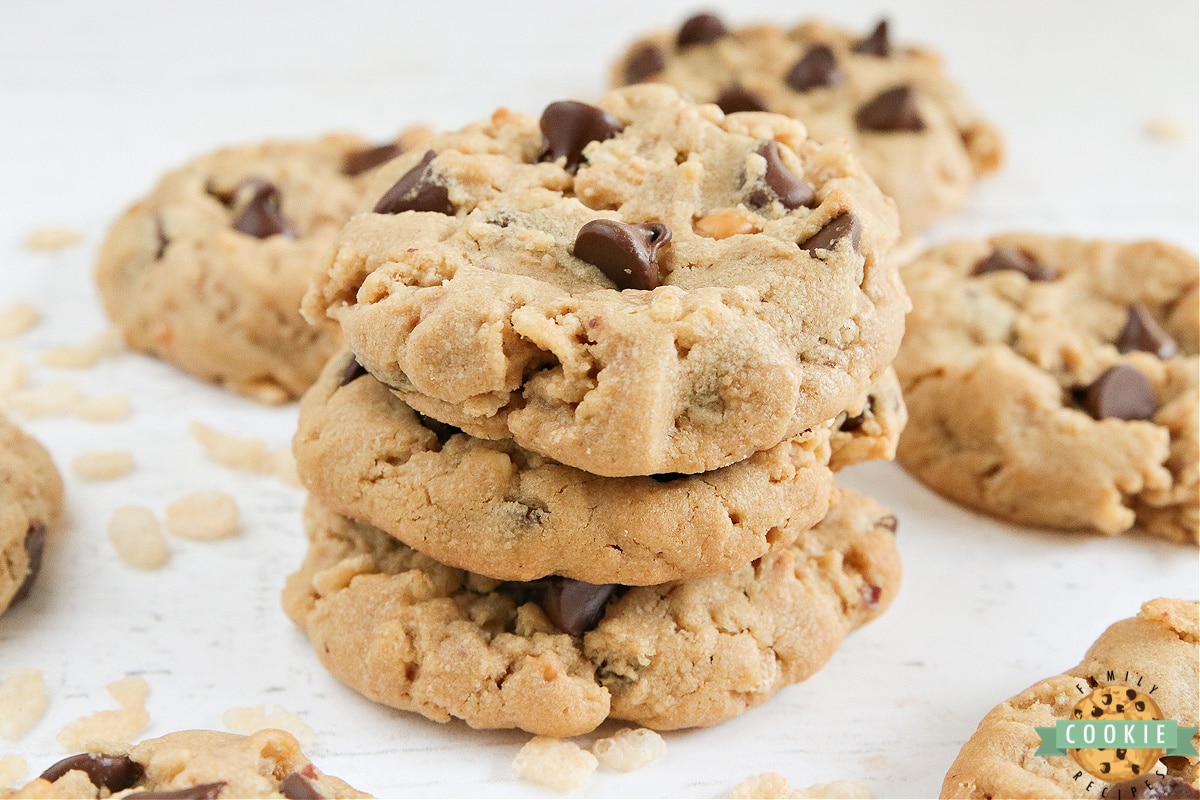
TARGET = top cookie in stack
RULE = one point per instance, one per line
(490, 286)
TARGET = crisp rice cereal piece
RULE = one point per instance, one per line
(232, 451)
(52, 400)
(629, 749)
(102, 465)
(86, 355)
(110, 408)
(137, 537)
(766, 785)
(18, 318)
(847, 790)
(554, 763)
(22, 701)
(249, 719)
(12, 768)
(13, 373)
(1169, 130)
(111, 726)
(203, 516)
(52, 237)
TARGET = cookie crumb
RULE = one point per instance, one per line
(85, 355)
(774, 785)
(112, 408)
(629, 749)
(554, 763)
(17, 319)
(102, 465)
(203, 516)
(52, 237)
(137, 537)
(251, 719)
(111, 726)
(248, 453)
(12, 769)
(22, 701)
(1168, 130)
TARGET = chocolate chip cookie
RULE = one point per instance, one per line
(1053, 382)
(496, 509)
(1155, 652)
(31, 506)
(191, 765)
(905, 119)
(635, 287)
(556, 657)
(209, 269)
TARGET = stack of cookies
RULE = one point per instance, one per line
(577, 462)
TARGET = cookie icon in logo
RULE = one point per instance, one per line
(1116, 764)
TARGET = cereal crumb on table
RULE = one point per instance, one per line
(52, 237)
(13, 373)
(203, 516)
(774, 785)
(22, 702)
(102, 465)
(17, 319)
(85, 355)
(554, 763)
(1168, 130)
(111, 408)
(250, 719)
(120, 725)
(629, 749)
(242, 452)
(137, 537)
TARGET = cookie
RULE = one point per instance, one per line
(908, 123)
(492, 508)
(637, 287)
(1053, 382)
(31, 506)
(1153, 655)
(557, 657)
(209, 269)
(191, 765)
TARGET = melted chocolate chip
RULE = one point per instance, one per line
(574, 606)
(262, 217)
(735, 99)
(205, 791)
(877, 43)
(115, 773)
(891, 111)
(295, 787)
(889, 523)
(851, 424)
(359, 162)
(352, 371)
(441, 430)
(791, 190)
(1142, 332)
(1121, 392)
(160, 232)
(668, 477)
(841, 226)
(35, 545)
(626, 254)
(643, 63)
(817, 68)
(700, 29)
(416, 191)
(1007, 257)
(870, 594)
(1171, 788)
(569, 126)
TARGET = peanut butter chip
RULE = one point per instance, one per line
(724, 225)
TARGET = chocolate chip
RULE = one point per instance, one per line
(416, 191)
(626, 254)
(791, 190)
(574, 606)
(700, 29)
(841, 226)
(160, 232)
(816, 68)
(851, 424)
(1121, 392)
(1007, 257)
(668, 477)
(35, 545)
(891, 110)
(531, 515)
(1171, 788)
(1142, 332)
(877, 43)
(889, 522)
(262, 216)
(114, 773)
(359, 162)
(735, 99)
(295, 787)
(870, 594)
(441, 430)
(205, 791)
(352, 371)
(643, 63)
(569, 126)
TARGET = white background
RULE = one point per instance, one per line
(97, 99)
